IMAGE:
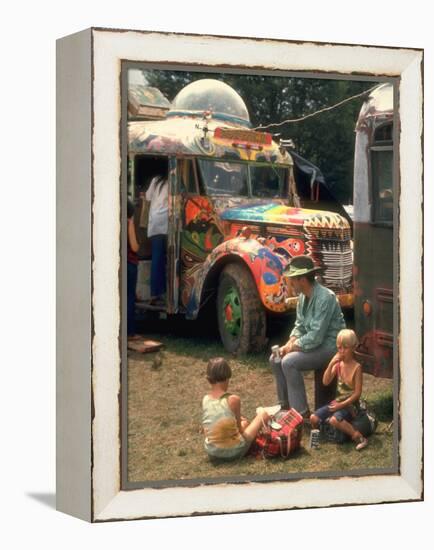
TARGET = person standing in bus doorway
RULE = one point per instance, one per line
(312, 341)
(158, 222)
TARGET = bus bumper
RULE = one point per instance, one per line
(346, 300)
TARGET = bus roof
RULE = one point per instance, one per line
(197, 136)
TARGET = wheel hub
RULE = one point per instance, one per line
(232, 312)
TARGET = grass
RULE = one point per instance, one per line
(164, 415)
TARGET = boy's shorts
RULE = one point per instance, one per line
(324, 413)
(228, 453)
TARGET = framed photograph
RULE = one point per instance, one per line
(226, 206)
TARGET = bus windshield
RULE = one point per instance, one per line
(224, 178)
(243, 180)
(268, 181)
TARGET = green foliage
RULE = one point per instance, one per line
(327, 139)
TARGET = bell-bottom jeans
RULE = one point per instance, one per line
(288, 373)
(158, 265)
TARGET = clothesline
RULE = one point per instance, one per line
(329, 108)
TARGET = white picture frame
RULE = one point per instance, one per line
(88, 267)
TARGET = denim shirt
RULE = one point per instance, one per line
(318, 319)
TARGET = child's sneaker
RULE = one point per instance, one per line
(361, 444)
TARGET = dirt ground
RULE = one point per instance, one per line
(164, 415)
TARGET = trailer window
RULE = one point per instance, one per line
(384, 133)
(382, 184)
(224, 178)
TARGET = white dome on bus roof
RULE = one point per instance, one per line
(212, 95)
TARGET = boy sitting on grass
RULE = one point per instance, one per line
(228, 435)
(342, 411)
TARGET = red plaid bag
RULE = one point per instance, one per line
(271, 442)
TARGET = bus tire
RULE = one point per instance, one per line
(241, 316)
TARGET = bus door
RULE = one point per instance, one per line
(173, 239)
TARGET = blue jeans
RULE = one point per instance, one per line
(131, 298)
(288, 374)
(158, 265)
(324, 413)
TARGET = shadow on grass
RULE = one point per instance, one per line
(216, 463)
(382, 405)
(200, 339)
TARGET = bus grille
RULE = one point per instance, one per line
(331, 250)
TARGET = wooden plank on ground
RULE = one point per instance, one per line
(144, 346)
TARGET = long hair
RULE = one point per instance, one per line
(161, 172)
(160, 180)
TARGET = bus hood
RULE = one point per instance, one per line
(280, 214)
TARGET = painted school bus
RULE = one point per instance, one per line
(234, 214)
(373, 232)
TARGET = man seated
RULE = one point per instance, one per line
(312, 342)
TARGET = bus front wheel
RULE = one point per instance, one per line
(241, 316)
